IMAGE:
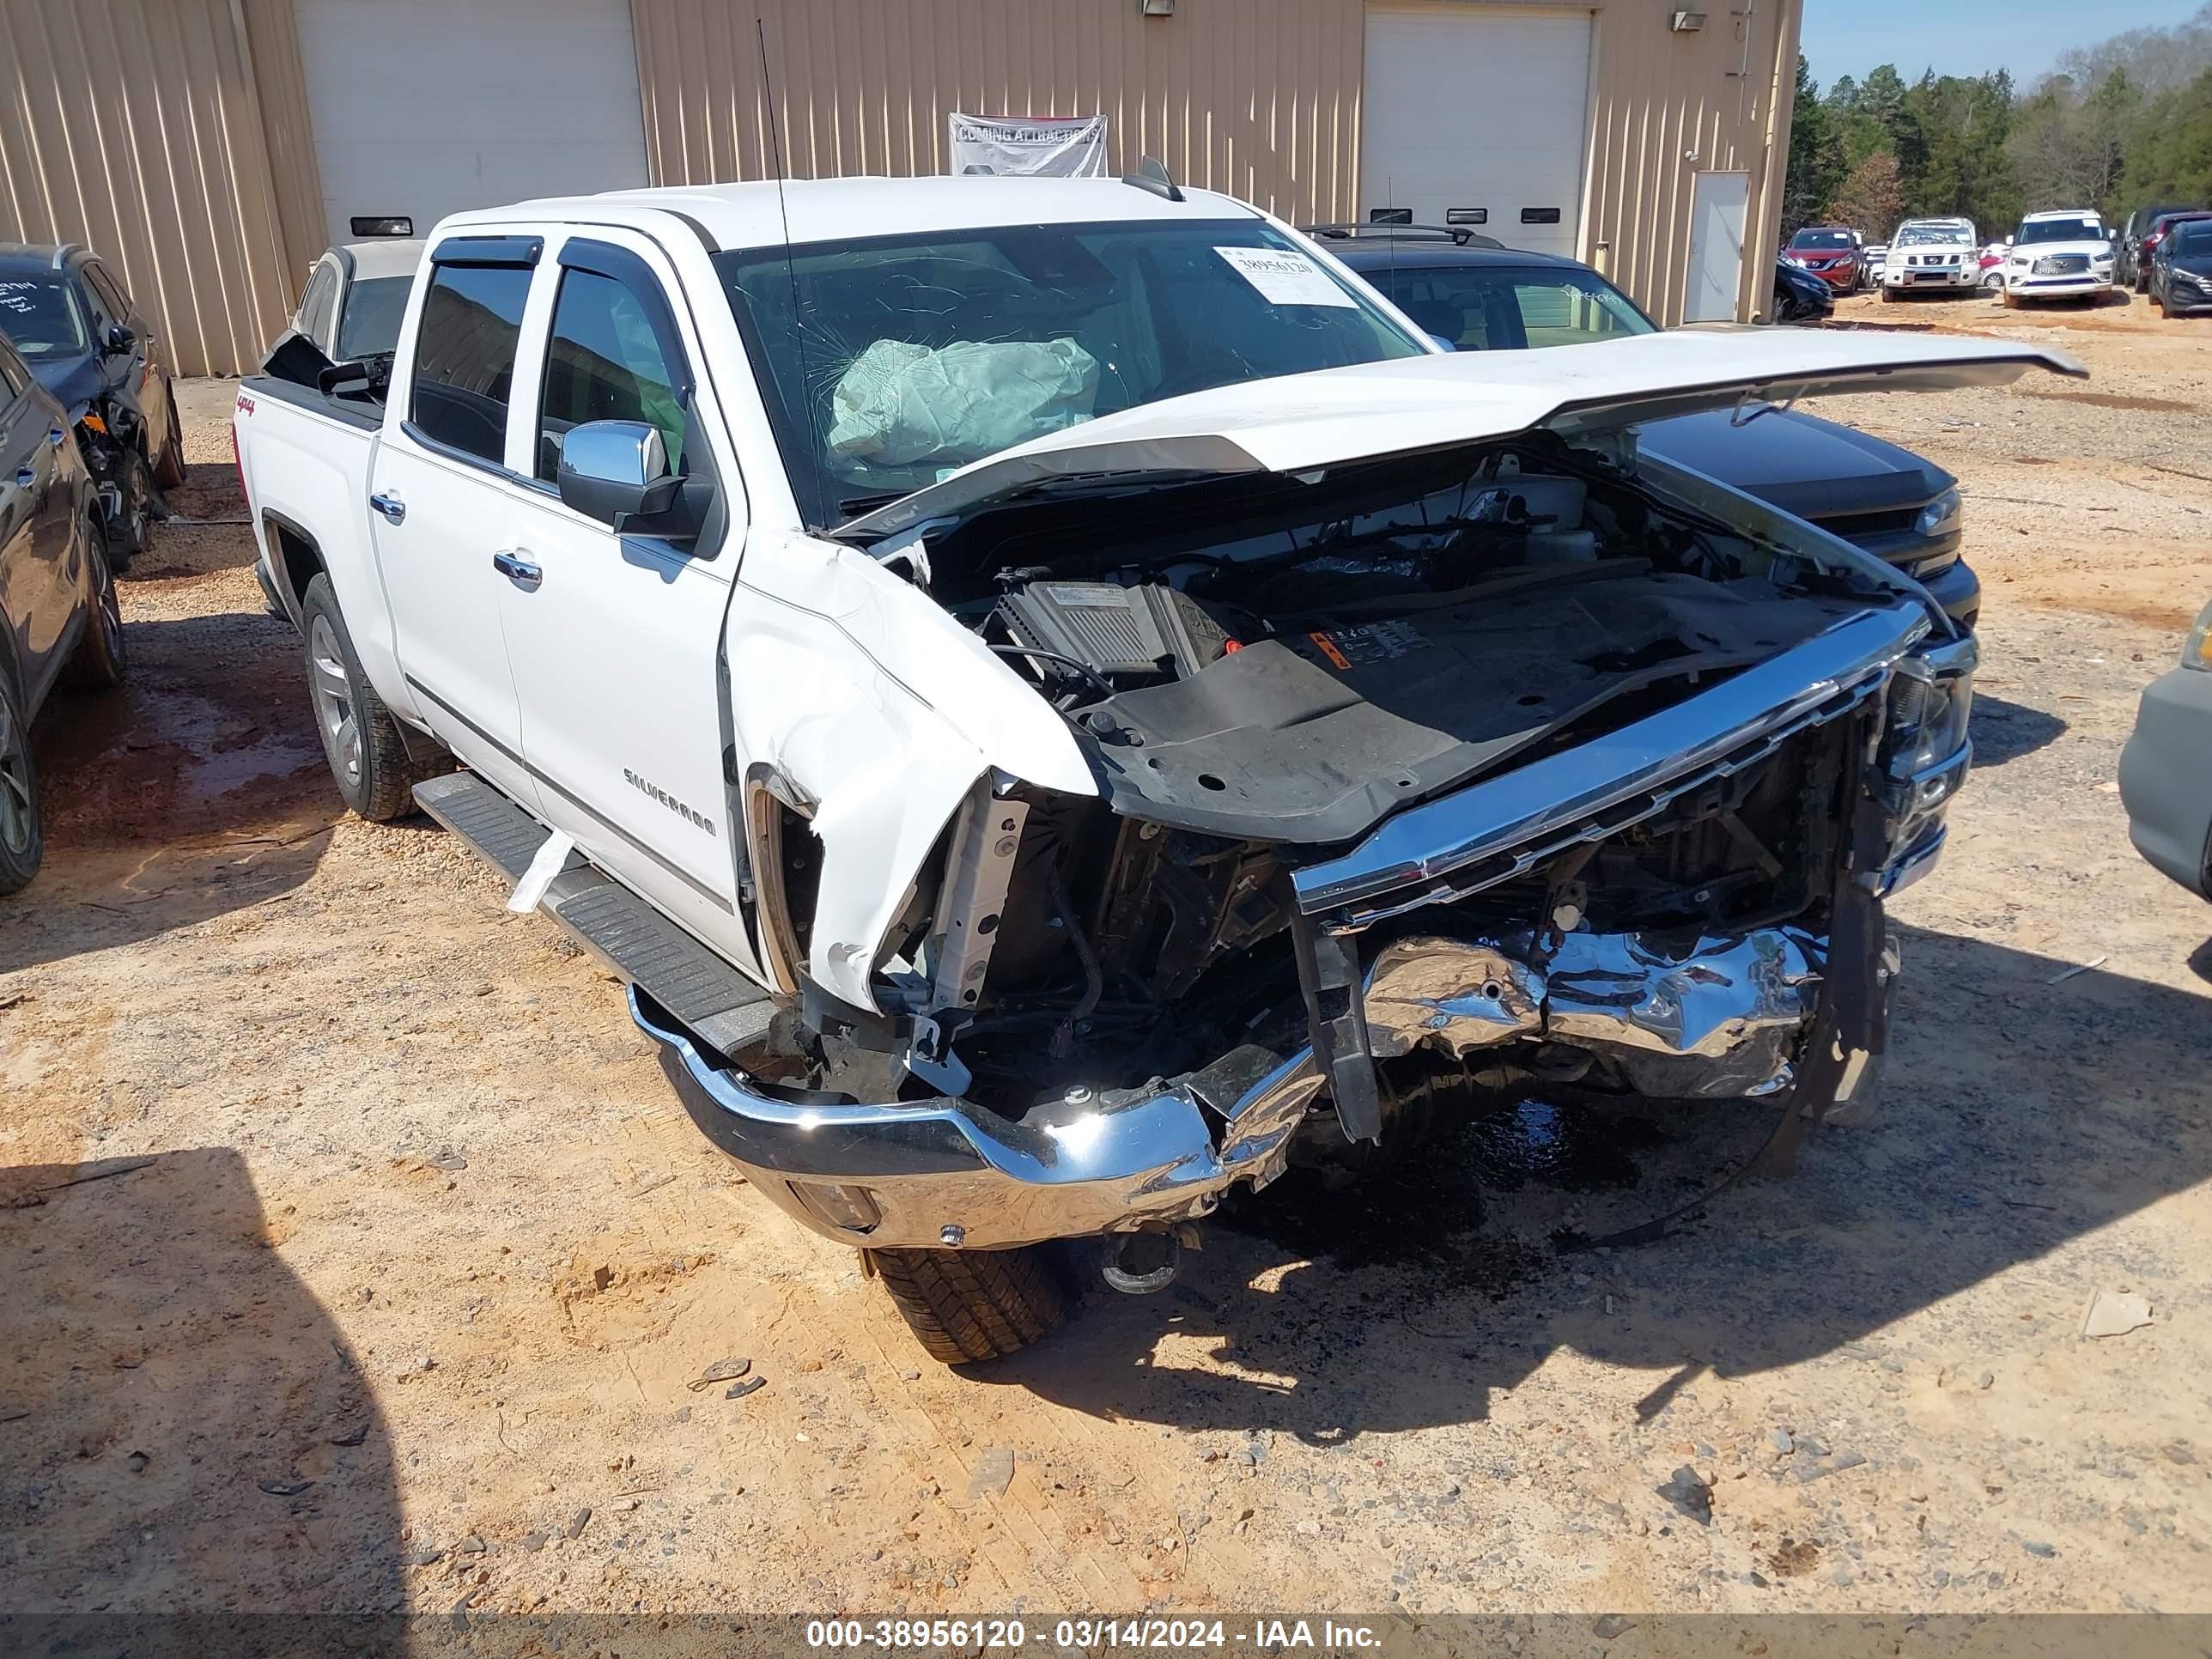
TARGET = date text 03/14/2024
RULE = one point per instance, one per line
(969, 1635)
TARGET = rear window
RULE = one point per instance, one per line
(1510, 308)
(370, 326)
(464, 356)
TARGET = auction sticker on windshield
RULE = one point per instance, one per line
(1286, 278)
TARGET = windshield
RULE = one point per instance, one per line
(1821, 239)
(1932, 235)
(1508, 308)
(921, 354)
(41, 318)
(371, 323)
(2059, 230)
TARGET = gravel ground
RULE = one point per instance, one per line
(406, 1308)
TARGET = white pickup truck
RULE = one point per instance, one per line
(1059, 700)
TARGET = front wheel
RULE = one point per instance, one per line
(964, 1306)
(131, 532)
(22, 844)
(101, 657)
(169, 465)
(361, 739)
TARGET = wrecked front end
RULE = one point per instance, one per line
(1423, 786)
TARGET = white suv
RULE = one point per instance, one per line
(2067, 254)
(1942, 254)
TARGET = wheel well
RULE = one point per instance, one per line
(303, 561)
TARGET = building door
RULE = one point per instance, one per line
(1718, 203)
(422, 109)
(1477, 115)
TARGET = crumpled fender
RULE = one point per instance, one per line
(868, 699)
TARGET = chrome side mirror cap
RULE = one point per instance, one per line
(614, 470)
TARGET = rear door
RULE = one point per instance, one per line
(442, 499)
(616, 639)
(37, 595)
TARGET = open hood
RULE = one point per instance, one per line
(1302, 423)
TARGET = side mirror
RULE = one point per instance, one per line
(614, 470)
(120, 341)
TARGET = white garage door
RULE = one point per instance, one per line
(1477, 115)
(424, 109)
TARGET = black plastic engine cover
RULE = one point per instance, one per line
(1312, 738)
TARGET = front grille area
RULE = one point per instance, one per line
(2062, 264)
(1862, 527)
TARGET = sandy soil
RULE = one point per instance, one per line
(390, 1258)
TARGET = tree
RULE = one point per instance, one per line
(2170, 150)
(1871, 197)
(1816, 154)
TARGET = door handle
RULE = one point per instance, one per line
(391, 506)
(25, 478)
(55, 436)
(523, 574)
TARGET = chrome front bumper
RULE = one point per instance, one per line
(1704, 1018)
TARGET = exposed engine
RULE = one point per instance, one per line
(1254, 707)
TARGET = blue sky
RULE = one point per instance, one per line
(1961, 37)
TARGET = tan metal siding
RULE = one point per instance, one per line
(1257, 97)
(132, 125)
(280, 83)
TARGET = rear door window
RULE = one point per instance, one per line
(109, 290)
(465, 352)
(315, 304)
(605, 362)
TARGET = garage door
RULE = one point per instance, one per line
(1477, 115)
(424, 109)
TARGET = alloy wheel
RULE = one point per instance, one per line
(17, 821)
(334, 702)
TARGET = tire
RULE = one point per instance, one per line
(360, 740)
(967, 1306)
(1888, 295)
(2011, 300)
(102, 655)
(22, 841)
(169, 465)
(131, 530)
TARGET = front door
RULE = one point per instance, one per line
(443, 503)
(1719, 203)
(616, 639)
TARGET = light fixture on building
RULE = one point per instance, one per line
(1156, 8)
(1687, 22)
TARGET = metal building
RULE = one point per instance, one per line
(212, 147)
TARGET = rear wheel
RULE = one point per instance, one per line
(169, 465)
(361, 739)
(101, 657)
(21, 842)
(969, 1305)
(131, 532)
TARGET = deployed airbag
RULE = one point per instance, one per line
(900, 404)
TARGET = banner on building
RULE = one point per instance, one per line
(1051, 147)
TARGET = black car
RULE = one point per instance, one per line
(1881, 498)
(64, 309)
(2181, 269)
(2131, 262)
(1799, 296)
(60, 620)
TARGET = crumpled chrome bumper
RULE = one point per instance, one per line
(946, 1173)
(1698, 1018)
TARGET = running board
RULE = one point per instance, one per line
(702, 990)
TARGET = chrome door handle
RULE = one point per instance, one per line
(392, 507)
(521, 572)
(55, 436)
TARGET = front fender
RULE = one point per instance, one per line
(865, 698)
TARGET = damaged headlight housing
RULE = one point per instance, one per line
(1925, 748)
(2197, 652)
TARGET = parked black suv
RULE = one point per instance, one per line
(64, 309)
(2130, 264)
(60, 620)
(1886, 500)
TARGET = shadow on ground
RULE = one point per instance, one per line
(2019, 1115)
(185, 1431)
(2005, 730)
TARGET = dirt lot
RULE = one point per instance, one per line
(404, 1309)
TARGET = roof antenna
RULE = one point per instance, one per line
(1153, 174)
(790, 267)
